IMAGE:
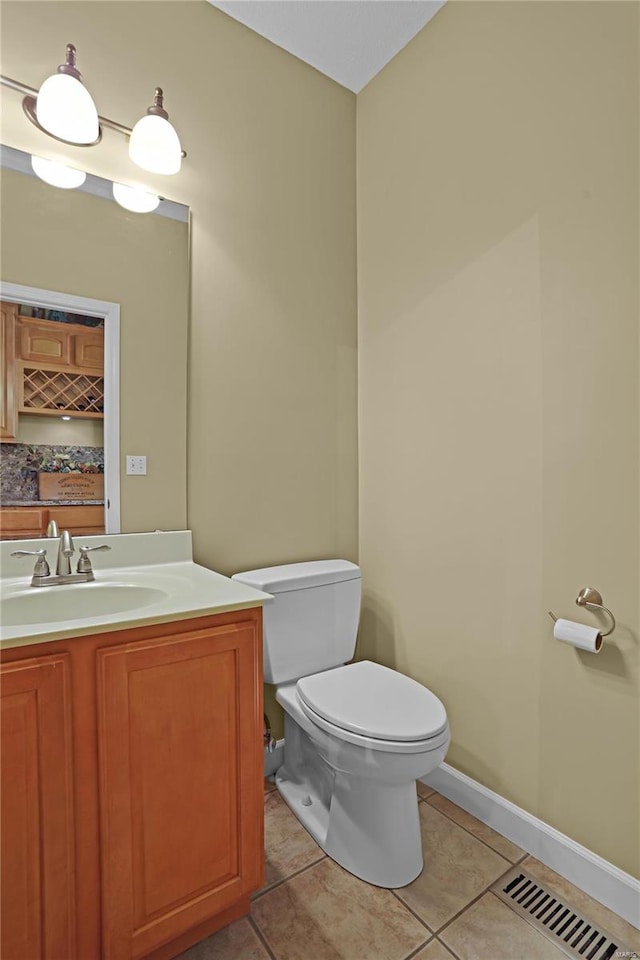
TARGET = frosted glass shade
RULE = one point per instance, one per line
(64, 108)
(58, 174)
(135, 199)
(154, 145)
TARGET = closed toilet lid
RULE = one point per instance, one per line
(374, 701)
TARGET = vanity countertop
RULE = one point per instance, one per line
(145, 578)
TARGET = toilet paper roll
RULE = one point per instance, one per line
(579, 635)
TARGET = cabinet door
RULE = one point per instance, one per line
(88, 350)
(8, 409)
(44, 340)
(38, 918)
(20, 523)
(79, 521)
(180, 782)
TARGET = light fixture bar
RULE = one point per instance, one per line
(29, 104)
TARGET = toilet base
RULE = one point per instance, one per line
(375, 835)
(369, 826)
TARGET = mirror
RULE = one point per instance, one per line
(73, 259)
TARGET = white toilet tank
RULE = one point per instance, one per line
(312, 622)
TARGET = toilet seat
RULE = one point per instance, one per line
(371, 705)
(371, 743)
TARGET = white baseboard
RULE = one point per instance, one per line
(600, 879)
(274, 759)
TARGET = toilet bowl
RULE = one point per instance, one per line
(356, 793)
(357, 736)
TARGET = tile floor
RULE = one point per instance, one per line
(312, 909)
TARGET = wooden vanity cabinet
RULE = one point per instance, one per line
(168, 769)
(38, 871)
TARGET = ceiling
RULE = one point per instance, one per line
(348, 40)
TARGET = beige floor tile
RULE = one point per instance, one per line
(433, 951)
(585, 904)
(423, 790)
(480, 830)
(457, 868)
(489, 930)
(236, 941)
(288, 846)
(325, 913)
(269, 786)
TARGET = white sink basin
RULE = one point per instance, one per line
(146, 578)
(76, 602)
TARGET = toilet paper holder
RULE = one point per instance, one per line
(592, 598)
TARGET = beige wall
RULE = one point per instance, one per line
(270, 179)
(498, 336)
(497, 180)
(88, 246)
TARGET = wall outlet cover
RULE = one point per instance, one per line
(136, 466)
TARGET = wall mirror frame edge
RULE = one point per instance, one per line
(110, 312)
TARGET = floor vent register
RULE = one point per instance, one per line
(568, 929)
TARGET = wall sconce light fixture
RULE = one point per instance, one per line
(64, 109)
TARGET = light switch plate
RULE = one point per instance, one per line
(136, 466)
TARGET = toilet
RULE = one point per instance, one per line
(357, 735)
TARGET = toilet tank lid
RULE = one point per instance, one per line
(299, 576)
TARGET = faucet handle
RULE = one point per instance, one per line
(41, 568)
(84, 563)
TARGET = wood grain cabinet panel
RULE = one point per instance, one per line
(182, 832)
(44, 341)
(38, 913)
(88, 349)
(8, 407)
(79, 521)
(20, 523)
(165, 780)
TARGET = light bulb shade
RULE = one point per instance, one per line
(58, 174)
(154, 145)
(65, 109)
(135, 199)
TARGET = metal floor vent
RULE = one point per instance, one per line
(568, 929)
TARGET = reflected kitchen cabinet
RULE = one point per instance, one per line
(8, 408)
(88, 350)
(23, 523)
(60, 368)
(63, 344)
(44, 340)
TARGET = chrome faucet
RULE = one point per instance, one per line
(42, 575)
